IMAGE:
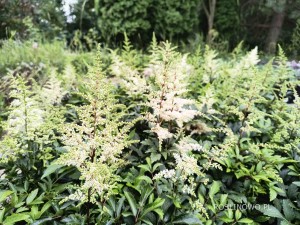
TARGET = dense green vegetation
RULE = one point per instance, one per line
(148, 138)
(103, 120)
(220, 23)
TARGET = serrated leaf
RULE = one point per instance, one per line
(271, 211)
(109, 210)
(155, 157)
(112, 203)
(215, 188)
(223, 199)
(287, 210)
(145, 167)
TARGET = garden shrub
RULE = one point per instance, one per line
(166, 139)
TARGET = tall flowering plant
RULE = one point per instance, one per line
(95, 141)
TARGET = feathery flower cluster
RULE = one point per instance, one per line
(198, 206)
(186, 165)
(170, 72)
(129, 78)
(94, 145)
(25, 117)
(32, 117)
(52, 92)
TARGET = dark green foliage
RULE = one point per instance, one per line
(115, 18)
(175, 20)
(31, 19)
(170, 20)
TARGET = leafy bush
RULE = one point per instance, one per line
(164, 138)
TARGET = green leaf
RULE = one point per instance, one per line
(132, 202)
(245, 220)
(21, 209)
(15, 218)
(229, 213)
(271, 211)
(2, 211)
(285, 222)
(51, 169)
(297, 183)
(287, 210)
(238, 214)
(159, 212)
(226, 219)
(145, 167)
(125, 214)
(259, 167)
(41, 221)
(112, 203)
(215, 188)
(35, 214)
(46, 207)
(120, 205)
(155, 157)
(146, 221)
(150, 207)
(32, 196)
(145, 178)
(187, 219)
(109, 210)
(223, 199)
(5, 194)
(273, 194)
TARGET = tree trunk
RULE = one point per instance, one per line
(210, 15)
(274, 32)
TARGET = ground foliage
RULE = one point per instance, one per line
(154, 138)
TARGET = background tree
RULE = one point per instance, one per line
(27, 18)
(210, 9)
(172, 20)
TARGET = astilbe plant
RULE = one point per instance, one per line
(24, 118)
(94, 142)
(249, 100)
(31, 110)
(172, 118)
(171, 111)
(126, 70)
